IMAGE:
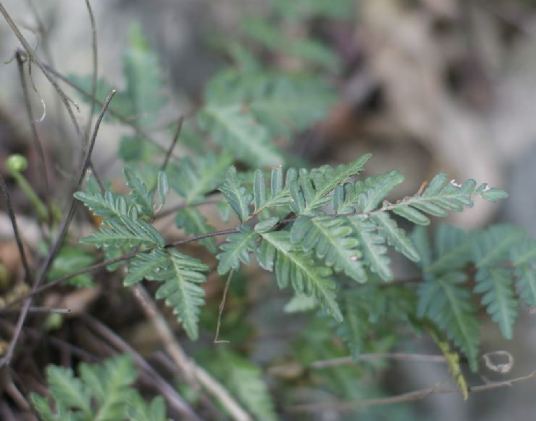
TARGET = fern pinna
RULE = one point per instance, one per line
(315, 229)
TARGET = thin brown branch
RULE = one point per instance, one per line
(67, 101)
(35, 137)
(397, 356)
(62, 231)
(405, 397)
(187, 366)
(129, 122)
(221, 308)
(173, 143)
(28, 275)
(45, 310)
(94, 75)
(169, 392)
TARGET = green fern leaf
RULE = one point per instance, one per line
(144, 79)
(125, 232)
(373, 190)
(236, 249)
(181, 275)
(146, 265)
(447, 303)
(332, 241)
(108, 205)
(102, 392)
(234, 129)
(244, 380)
(110, 384)
(395, 236)
(523, 252)
(277, 194)
(155, 411)
(438, 199)
(305, 49)
(294, 267)
(354, 328)
(494, 244)
(236, 194)
(453, 248)
(67, 390)
(194, 178)
(312, 188)
(196, 224)
(276, 100)
(496, 285)
(526, 284)
(365, 194)
(372, 246)
(139, 193)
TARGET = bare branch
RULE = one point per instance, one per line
(62, 231)
(192, 371)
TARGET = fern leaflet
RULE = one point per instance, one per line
(234, 129)
(181, 276)
(496, 285)
(311, 189)
(236, 249)
(332, 241)
(372, 246)
(236, 194)
(447, 303)
(294, 267)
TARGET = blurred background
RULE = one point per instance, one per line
(427, 86)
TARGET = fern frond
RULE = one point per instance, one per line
(493, 245)
(452, 248)
(236, 194)
(67, 390)
(445, 301)
(193, 178)
(244, 380)
(496, 285)
(523, 258)
(372, 246)
(181, 275)
(110, 384)
(125, 232)
(354, 328)
(523, 252)
(108, 205)
(294, 267)
(101, 393)
(191, 220)
(236, 131)
(331, 239)
(276, 100)
(143, 98)
(396, 237)
(439, 199)
(236, 249)
(139, 192)
(145, 84)
(312, 188)
(367, 194)
(155, 411)
(526, 284)
(277, 194)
